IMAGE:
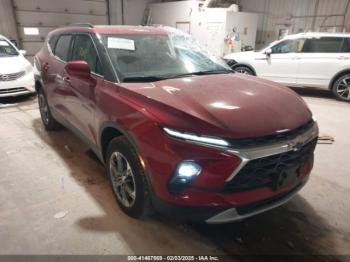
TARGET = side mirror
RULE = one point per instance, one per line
(23, 52)
(268, 52)
(79, 69)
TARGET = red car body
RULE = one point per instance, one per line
(267, 125)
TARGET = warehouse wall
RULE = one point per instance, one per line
(133, 11)
(298, 16)
(7, 20)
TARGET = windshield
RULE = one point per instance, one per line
(6, 49)
(157, 57)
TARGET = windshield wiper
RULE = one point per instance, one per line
(201, 73)
(136, 79)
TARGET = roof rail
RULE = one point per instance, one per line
(83, 25)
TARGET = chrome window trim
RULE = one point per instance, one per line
(248, 154)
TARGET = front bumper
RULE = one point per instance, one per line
(233, 198)
(220, 215)
(21, 86)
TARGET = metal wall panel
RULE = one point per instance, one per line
(47, 15)
(298, 16)
(7, 20)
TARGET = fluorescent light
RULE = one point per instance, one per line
(31, 30)
(200, 139)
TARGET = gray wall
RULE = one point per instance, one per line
(297, 16)
(7, 20)
(49, 14)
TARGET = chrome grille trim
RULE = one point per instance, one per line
(11, 77)
(248, 154)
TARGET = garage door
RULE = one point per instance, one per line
(36, 18)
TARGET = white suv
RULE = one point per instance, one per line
(16, 73)
(309, 59)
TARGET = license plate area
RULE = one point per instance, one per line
(286, 176)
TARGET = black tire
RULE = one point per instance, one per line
(243, 70)
(139, 207)
(48, 120)
(341, 88)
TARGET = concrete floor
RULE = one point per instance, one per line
(44, 174)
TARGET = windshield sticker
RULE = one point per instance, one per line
(121, 43)
(4, 43)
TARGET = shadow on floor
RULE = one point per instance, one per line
(295, 228)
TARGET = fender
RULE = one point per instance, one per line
(118, 128)
(336, 76)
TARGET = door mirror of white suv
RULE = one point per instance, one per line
(23, 52)
(268, 52)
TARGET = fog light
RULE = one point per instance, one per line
(188, 169)
(185, 172)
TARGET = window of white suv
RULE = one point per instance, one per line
(288, 46)
(326, 45)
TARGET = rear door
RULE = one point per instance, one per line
(81, 100)
(282, 65)
(55, 86)
(321, 59)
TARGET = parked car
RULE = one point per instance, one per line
(319, 60)
(177, 130)
(16, 73)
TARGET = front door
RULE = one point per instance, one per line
(81, 102)
(282, 65)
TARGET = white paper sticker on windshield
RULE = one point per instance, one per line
(4, 43)
(121, 43)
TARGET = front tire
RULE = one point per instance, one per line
(46, 117)
(341, 88)
(128, 179)
(243, 70)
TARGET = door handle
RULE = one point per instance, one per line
(46, 66)
(66, 79)
(343, 58)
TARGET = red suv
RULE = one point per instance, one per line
(177, 130)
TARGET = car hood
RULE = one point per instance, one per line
(15, 64)
(237, 105)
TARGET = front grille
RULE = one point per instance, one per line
(265, 140)
(263, 172)
(12, 90)
(11, 77)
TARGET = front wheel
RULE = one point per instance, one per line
(243, 70)
(341, 88)
(128, 179)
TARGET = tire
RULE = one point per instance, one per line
(341, 88)
(128, 179)
(49, 122)
(243, 70)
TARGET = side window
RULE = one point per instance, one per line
(52, 42)
(85, 50)
(346, 45)
(288, 46)
(324, 45)
(62, 47)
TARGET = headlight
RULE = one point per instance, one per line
(198, 139)
(28, 68)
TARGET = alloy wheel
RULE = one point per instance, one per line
(122, 178)
(343, 89)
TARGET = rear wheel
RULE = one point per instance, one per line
(128, 179)
(341, 88)
(243, 70)
(49, 122)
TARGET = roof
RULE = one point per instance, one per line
(114, 29)
(317, 34)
